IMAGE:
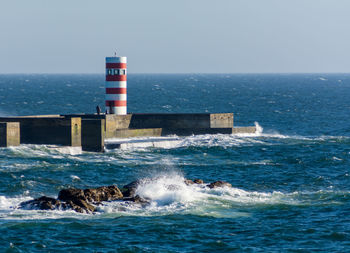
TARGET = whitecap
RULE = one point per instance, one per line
(75, 178)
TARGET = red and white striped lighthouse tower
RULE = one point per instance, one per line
(116, 85)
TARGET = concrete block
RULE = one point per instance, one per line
(114, 122)
(75, 132)
(244, 130)
(93, 135)
(9, 134)
(128, 133)
(170, 120)
(221, 120)
(49, 130)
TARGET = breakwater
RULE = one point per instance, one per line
(91, 130)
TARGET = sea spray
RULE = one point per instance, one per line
(259, 129)
(167, 189)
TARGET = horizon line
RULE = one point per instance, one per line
(170, 73)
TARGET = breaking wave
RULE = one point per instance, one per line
(53, 151)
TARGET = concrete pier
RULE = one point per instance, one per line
(50, 129)
(181, 124)
(9, 134)
(90, 130)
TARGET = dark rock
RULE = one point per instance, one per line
(71, 194)
(77, 199)
(198, 181)
(104, 193)
(138, 200)
(42, 203)
(188, 182)
(81, 206)
(129, 190)
(81, 200)
(219, 184)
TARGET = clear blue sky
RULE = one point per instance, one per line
(182, 36)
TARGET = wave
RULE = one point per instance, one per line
(142, 142)
(168, 194)
(52, 151)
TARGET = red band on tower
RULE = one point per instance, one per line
(115, 103)
(115, 65)
(115, 90)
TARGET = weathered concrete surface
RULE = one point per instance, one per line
(75, 131)
(124, 126)
(195, 131)
(114, 122)
(244, 130)
(93, 135)
(48, 130)
(128, 133)
(9, 134)
(221, 120)
(181, 120)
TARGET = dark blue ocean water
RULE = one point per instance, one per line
(291, 183)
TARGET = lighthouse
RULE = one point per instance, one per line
(116, 95)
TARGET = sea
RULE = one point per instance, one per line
(290, 180)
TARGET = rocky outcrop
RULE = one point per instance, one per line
(92, 195)
(82, 201)
(129, 190)
(137, 200)
(217, 184)
(81, 206)
(85, 201)
(42, 203)
(188, 182)
(195, 181)
(198, 181)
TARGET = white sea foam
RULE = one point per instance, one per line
(258, 132)
(75, 178)
(169, 194)
(143, 142)
(53, 151)
(66, 150)
(171, 188)
(9, 203)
